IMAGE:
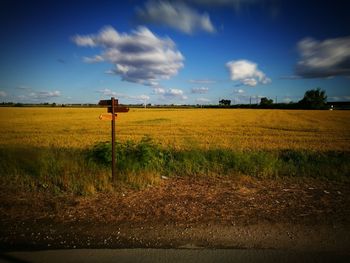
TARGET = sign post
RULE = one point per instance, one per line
(113, 137)
(112, 108)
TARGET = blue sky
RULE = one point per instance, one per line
(173, 52)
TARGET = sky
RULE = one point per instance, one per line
(173, 52)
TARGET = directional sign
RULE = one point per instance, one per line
(107, 102)
(112, 108)
(107, 117)
(118, 109)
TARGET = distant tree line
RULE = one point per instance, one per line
(313, 99)
(225, 103)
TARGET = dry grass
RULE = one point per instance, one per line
(180, 128)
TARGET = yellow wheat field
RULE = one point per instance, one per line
(180, 128)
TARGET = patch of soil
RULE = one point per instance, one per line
(184, 212)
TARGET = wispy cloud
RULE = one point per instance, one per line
(321, 59)
(238, 91)
(202, 81)
(38, 95)
(246, 72)
(175, 14)
(23, 87)
(200, 90)
(203, 100)
(175, 94)
(242, 98)
(169, 94)
(139, 57)
(158, 90)
(338, 98)
(94, 59)
(140, 97)
(2, 94)
(272, 7)
(109, 93)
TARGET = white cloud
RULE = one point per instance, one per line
(139, 57)
(45, 94)
(239, 91)
(108, 92)
(85, 41)
(170, 94)
(246, 72)
(94, 59)
(201, 90)
(250, 82)
(177, 15)
(176, 93)
(140, 97)
(321, 59)
(2, 94)
(158, 90)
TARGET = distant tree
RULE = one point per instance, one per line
(266, 102)
(225, 102)
(314, 99)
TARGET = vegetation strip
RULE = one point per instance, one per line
(144, 163)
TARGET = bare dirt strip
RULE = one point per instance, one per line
(219, 212)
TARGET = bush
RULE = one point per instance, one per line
(130, 156)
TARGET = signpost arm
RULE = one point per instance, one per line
(113, 138)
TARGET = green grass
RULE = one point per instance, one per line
(143, 163)
(52, 169)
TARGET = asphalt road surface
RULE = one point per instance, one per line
(171, 255)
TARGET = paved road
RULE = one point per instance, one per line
(171, 255)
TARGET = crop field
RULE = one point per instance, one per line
(179, 128)
(68, 149)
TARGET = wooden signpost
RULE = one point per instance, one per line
(112, 108)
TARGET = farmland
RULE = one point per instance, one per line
(182, 175)
(68, 149)
(179, 128)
